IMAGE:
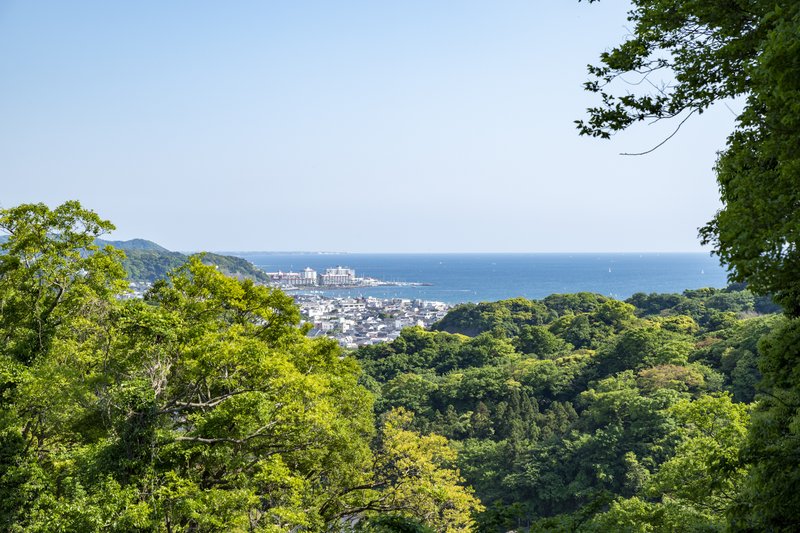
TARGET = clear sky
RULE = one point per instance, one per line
(427, 126)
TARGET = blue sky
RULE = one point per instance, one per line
(423, 126)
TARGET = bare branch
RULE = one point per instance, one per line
(662, 143)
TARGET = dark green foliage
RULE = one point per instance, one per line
(704, 49)
(147, 261)
(151, 265)
(590, 329)
(392, 524)
(756, 231)
(711, 309)
(735, 353)
(506, 316)
(234, 266)
(724, 300)
(423, 351)
(643, 348)
(771, 499)
(537, 340)
(565, 424)
(654, 304)
(580, 302)
(414, 350)
(706, 52)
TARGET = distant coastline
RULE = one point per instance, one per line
(320, 288)
(469, 277)
(332, 278)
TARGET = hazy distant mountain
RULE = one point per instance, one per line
(133, 244)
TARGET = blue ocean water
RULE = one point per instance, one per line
(457, 278)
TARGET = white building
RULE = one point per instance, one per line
(338, 276)
(307, 277)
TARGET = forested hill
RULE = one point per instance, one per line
(234, 266)
(132, 244)
(580, 412)
(148, 261)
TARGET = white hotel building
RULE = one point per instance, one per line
(338, 276)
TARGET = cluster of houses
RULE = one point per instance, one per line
(352, 321)
(362, 321)
(136, 290)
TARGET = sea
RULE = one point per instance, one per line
(480, 277)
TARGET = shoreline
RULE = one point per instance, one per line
(321, 288)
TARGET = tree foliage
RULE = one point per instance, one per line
(49, 268)
(683, 56)
(707, 52)
(603, 415)
(203, 407)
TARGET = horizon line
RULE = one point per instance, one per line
(327, 252)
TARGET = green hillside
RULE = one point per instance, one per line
(234, 266)
(133, 244)
(150, 265)
(582, 413)
(147, 261)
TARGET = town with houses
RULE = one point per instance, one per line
(355, 322)
(352, 321)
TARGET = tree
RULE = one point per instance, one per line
(706, 52)
(693, 489)
(757, 231)
(642, 348)
(770, 498)
(702, 50)
(481, 423)
(57, 290)
(203, 407)
(538, 340)
(711, 51)
(706, 470)
(49, 268)
(250, 420)
(634, 515)
(505, 317)
(418, 478)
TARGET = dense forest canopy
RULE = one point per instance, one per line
(579, 412)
